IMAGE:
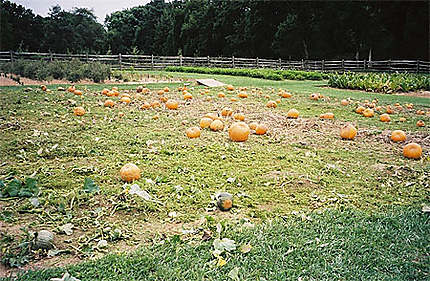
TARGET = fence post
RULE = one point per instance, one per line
(208, 61)
(322, 65)
(343, 65)
(389, 65)
(51, 57)
(303, 64)
(152, 61)
(280, 63)
(86, 56)
(120, 61)
(364, 65)
(232, 61)
(180, 60)
(11, 56)
(418, 66)
(256, 62)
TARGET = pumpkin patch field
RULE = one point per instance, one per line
(173, 167)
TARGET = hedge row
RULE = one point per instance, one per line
(269, 74)
(72, 71)
(380, 82)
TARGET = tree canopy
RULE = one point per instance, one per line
(266, 29)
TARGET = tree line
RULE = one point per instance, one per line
(265, 29)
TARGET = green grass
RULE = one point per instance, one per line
(334, 245)
(300, 165)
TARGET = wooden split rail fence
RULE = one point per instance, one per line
(159, 62)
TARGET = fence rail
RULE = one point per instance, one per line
(159, 62)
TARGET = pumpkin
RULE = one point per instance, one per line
(78, 92)
(211, 115)
(286, 95)
(160, 92)
(378, 108)
(293, 113)
(187, 96)
(412, 150)
(115, 89)
(193, 132)
(155, 104)
(163, 99)
(43, 240)
(278, 101)
(71, 89)
(328, 115)
(271, 104)
(224, 201)
(230, 88)
(267, 96)
(233, 99)
(239, 116)
(360, 109)
(221, 95)
(166, 89)
(121, 114)
(105, 92)
(420, 123)
(205, 122)
(125, 100)
(389, 110)
(421, 112)
(385, 117)
(348, 132)
(139, 89)
(253, 125)
(314, 96)
(409, 105)
(261, 129)
(172, 104)
(155, 117)
(115, 93)
(226, 112)
(402, 119)
(129, 172)
(79, 111)
(344, 102)
(239, 131)
(125, 96)
(217, 125)
(242, 95)
(109, 103)
(145, 105)
(368, 112)
(398, 136)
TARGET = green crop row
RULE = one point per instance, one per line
(380, 82)
(269, 74)
(72, 71)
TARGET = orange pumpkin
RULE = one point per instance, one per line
(271, 104)
(217, 125)
(79, 111)
(286, 95)
(390, 110)
(78, 92)
(253, 125)
(188, 96)
(368, 112)
(129, 172)
(344, 102)
(239, 116)
(109, 103)
(348, 132)
(211, 115)
(155, 104)
(233, 99)
(125, 100)
(412, 150)
(145, 105)
(155, 117)
(205, 122)
(328, 115)
(314, 96)
(166, 89)
(242, 95)
(172, 104)
(293, 113)
(115, 88)
(239, 131)
(163, 99)
(398, 136)
(421, 112)
(221, 95)
(360, 109)
(71, 89)
(420, 123)
(193, 132)
(226, 112)
(160, 92)
(230, 88)
(278, 101)
(105, 91)
(139, 89)
(402, 119)
(261, 129)
(385, 117)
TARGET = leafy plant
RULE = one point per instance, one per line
(17, 188)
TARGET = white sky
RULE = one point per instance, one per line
(101, 7)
